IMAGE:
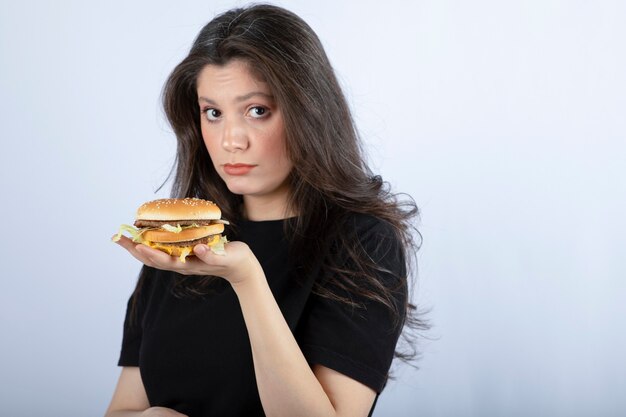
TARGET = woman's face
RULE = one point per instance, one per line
(244, 133)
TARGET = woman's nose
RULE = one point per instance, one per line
(235, 137)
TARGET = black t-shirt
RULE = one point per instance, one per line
(194, 353)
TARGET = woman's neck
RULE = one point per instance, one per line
(259, 209)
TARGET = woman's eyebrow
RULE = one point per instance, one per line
(240, 98)
(206, 100)
(254, 93)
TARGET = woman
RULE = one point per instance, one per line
(301, 316)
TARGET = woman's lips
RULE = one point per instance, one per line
(237, 169)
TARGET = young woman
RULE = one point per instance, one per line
(301, 315)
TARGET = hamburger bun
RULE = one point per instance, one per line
(176, 209)
(194, 233)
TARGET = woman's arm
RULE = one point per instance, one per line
(130, 399)
(287, 385)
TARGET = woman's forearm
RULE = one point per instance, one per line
(150, 412)
(123, 413)
(287, 385)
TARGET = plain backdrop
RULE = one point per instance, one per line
(505, 120)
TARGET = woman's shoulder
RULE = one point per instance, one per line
(366, 226)
(366, 238)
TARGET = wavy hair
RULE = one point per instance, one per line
(330, 181)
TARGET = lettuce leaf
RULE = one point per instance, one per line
(132, 231)
(218, 248)
(185, 252)
(173, 229)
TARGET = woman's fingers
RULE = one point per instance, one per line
(131, 247)
(161, 260)
(145, 254)
(157, 258)
(206, 255)
(233, 264)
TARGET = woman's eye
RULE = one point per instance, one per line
(212, 114)
(258, 112)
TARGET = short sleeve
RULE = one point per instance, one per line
(359, 341)
(133, 321)
(131, 339)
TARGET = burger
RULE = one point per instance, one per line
(176, 225)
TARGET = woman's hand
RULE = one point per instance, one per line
(161, 412)
(236, 265)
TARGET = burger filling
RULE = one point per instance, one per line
(215, 242)
(161, 223)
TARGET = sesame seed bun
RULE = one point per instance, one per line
(172, 209)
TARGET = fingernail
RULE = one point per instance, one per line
(200, 249)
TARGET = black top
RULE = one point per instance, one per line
(194, 353)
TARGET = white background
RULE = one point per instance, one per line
(505, 120)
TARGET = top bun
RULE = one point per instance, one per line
(167, 209)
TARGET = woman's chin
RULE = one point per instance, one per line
(237, 189)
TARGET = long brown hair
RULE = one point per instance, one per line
(330, 181)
